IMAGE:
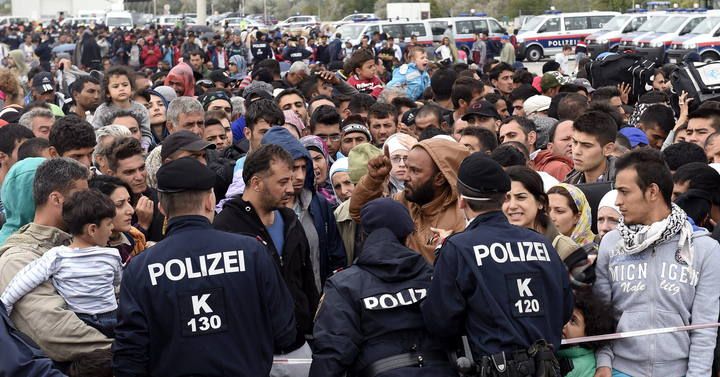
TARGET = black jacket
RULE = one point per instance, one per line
(371, 311)
(155, 231)
(239, 216)
(20, 356)
(201, 302)
(223, 168)
(502, 285)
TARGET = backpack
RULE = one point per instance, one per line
(614, 69)
(700, 80)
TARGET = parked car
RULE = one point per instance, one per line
(355, 17)
(354, 32)
(547, 34)
(299, 23)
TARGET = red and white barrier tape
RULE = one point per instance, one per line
(630, 334)
(584, 339)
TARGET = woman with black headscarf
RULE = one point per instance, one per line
(90, 59)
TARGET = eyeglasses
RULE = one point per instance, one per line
(398, 159)
(326, 138)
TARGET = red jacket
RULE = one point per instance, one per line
(557, 166)
(372, 87)
(151, 60)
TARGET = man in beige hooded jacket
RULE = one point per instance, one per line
(430, 192)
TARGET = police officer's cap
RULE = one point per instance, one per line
(184, 174)
(480, 176)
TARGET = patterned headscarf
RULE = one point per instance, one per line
(582, 232)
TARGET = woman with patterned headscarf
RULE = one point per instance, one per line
(571, 214)
(319, 154)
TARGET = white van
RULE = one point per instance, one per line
(704, 39)
(653, 46)
(465, 28)
(546, 35)
(608, 38)
(122, 20)
(354, 32)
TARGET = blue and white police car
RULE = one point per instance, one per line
(704, 39)
(545, 35)
(608, 38)
(653, 46)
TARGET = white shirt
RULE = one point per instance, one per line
(563, 61)
(444, 52)
(85, 278)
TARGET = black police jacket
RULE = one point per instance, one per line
(201, 302)
(239, 216)
(502, 285)
(260, 51)
(296, 54)
(20, 355)
(371, 311)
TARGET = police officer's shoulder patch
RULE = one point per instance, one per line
(202, 312)
(526, 294)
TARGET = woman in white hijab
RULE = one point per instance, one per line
(608, 213)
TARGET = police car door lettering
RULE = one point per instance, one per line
(393, 300)
(178, 269)
(503, 252)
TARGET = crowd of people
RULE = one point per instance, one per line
(224, 205)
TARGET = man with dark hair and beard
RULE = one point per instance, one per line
(430, 191)
(262, 213)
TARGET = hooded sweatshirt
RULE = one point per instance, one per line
(351, 332)
(441, 212)
(327, 252)
(182, 72)
(18, 197)
(651, 289)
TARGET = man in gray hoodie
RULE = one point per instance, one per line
(658, 270)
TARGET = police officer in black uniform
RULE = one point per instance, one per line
(294, 52)
(201, 302)
(369, 322)
(503, 286)
(261, 49)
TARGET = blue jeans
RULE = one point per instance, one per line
(103, 322)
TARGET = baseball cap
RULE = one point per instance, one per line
(42, 82)
(635, 135)
(536, 104)
(184, 174)
(408, 117)
(480, 176)
(482, 108)
(183, 141)
(221, 76)
(553, 79)
(584, 83)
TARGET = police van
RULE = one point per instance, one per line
(704, 39)
(355, 31)
(628, 40)
(682, 22)
(465, 28)
(545, 35)
(608, 38)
